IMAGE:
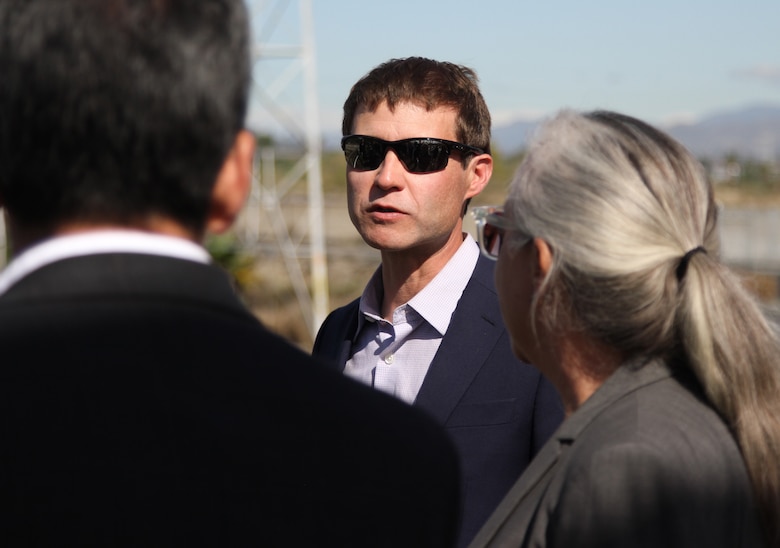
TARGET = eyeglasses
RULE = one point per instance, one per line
(418, 155)
(492, 226)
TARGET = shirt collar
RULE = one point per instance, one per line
(98, 242)
(437, 301)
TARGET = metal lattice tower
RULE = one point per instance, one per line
(287, 177)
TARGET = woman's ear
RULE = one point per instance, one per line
(542, 260)
(233, 184)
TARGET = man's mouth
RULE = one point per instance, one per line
(382, 209)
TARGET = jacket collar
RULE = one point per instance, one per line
(474, 331)
(629, 377)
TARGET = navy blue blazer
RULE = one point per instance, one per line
(497, 410)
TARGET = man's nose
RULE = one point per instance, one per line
(391, 171)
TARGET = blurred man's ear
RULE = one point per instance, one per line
(233, 184)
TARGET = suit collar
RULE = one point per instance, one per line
(512, 525)
(474, 331)
(505, 520)
(98, 242)
(127, 275)
(629, 377)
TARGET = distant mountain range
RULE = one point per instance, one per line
(751, 132)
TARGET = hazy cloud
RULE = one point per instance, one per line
(684, 118)
(765, 73)
(507, 116)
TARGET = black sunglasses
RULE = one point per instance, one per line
(492, 226)
(418, 155)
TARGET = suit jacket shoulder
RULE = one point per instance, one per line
(644, 462)
(147, 406)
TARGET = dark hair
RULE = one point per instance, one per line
(431, 84)
(114, 110)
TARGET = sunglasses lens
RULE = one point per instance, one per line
(363, 153)
(417, 155)
(423, 156)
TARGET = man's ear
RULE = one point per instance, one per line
(481, 169)
(233, 184)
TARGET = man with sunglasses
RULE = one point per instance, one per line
(428, 328)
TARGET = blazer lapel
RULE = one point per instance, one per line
(507, 526)
(511, 521)
(341, 329)
(473, 332)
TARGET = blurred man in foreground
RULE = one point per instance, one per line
(140, 402)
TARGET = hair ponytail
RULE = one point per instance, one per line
(734, 352)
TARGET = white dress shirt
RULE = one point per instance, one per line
(97, 242)
(395, 356)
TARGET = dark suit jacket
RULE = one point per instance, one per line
(497, 410)
(644, 462)
(141, 404)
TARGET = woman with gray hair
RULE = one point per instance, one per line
(610, 284)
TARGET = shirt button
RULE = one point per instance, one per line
(389, 359)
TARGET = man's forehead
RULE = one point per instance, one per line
(409, 113)
(392, 106)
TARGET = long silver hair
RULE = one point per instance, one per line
(632, 221)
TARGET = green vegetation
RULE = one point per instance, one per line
(227, 252)
(333, 169)
(732, 174)
(745, 181)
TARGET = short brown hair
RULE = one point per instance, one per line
(428, 83)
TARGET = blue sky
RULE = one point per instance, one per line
(664, 61)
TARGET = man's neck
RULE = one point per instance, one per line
(23, 237)
(154, 224)
(406, 273)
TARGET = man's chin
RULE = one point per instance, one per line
(384, 240)
(385, 246)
